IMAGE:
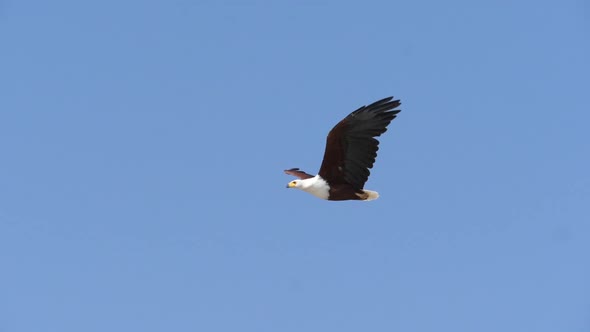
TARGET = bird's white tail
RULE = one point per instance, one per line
(371, 195)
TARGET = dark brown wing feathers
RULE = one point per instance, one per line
(351, 148)
(297, 173)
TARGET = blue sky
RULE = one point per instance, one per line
(143, 144)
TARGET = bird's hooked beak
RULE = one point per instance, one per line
(291, 184)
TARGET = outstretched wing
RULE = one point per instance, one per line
(351, 147)
(297, 173)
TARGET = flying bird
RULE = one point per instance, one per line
(351, 149)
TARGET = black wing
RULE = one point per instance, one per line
(351, 148)
(297, 173)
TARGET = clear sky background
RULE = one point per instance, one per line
(143, 142)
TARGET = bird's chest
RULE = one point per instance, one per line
(318, 188)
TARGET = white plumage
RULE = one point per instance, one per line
(315, 186)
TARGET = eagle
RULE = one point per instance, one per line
(351, 149)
